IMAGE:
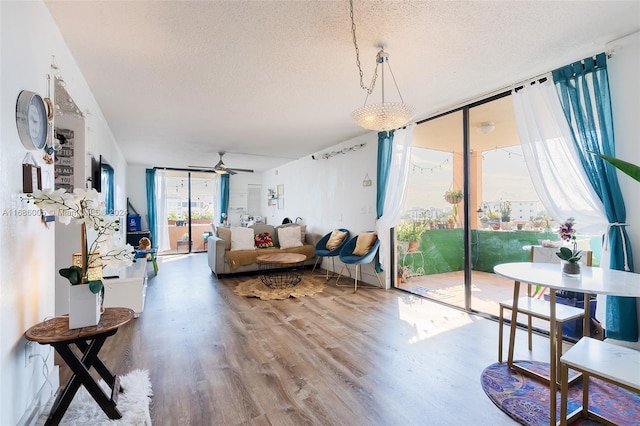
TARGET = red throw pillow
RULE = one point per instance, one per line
(264, 240)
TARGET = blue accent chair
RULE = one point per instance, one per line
(322, 251)
(348, 258)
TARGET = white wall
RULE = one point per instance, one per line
(624, 83)
(27, 272)
(137, 190)
(329, 194)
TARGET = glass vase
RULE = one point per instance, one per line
(570, 269)
(93, 267)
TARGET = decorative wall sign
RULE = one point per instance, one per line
(31, 178)
(31, 174)
(63, 162)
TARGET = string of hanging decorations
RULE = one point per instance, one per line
(510, 153)
(414, 167)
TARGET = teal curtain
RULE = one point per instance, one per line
(151, 206)
(385, 148)
(583, 89)
(385, 145)
(224, 192)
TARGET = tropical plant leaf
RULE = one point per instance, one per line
(624, 166)
(72, 273)
(565, 253)
(95, 286)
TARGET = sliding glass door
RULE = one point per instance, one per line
(430, 234)
(470, 205)
(189, 201)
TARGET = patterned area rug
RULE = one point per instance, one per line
(256, 288)
(526, 400)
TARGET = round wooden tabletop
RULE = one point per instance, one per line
(282, 258)
(56, 329)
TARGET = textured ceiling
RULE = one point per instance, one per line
(179, 81)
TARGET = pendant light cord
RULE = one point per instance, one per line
(355, 44)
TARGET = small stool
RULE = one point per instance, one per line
(612, 363)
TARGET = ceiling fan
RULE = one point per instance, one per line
(222, 169)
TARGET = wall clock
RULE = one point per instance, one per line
(32, 120)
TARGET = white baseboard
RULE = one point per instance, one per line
(43, 399)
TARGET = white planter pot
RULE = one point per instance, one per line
(84, 306)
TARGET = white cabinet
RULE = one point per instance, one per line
(129, 289)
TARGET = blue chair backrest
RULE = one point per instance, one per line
(322, 244)
(347, 256)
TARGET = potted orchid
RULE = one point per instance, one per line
(83, 207)
(569, 256)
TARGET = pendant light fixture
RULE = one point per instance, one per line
(381, 116)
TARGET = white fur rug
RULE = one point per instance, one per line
(133, 404)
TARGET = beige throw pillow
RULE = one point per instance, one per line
(225, 234)
(242, 239)
(364, 243)
(303, 229)
(336, 238)
(289, 237)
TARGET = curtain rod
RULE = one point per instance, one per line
(178, 169)
(502, 92)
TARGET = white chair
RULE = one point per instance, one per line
(534, 306)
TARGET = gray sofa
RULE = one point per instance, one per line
(222, 260)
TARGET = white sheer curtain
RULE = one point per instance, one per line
(552, 160)
(162, 220)
(554, 166)
(217, 200)
(396, 190)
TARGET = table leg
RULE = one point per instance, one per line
(81, 376)
(586, 325)
(98, 365)
(564, 391)
(514, 321)
(154, 261)
(553, 368)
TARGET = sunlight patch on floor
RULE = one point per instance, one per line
(172, 258)
(429, 319)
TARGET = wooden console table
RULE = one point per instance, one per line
(89, 340)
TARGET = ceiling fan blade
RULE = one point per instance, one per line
(221, 168)
(238, 170)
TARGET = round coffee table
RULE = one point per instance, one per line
(281, 270)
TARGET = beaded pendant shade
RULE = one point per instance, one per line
(381, 116)
(384, 115)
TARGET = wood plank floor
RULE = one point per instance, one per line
(337, 358)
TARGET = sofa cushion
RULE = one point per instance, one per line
(336, 238)
(364, 243)
(225, 235)
(264, 240)
(289, 237)
(303, 230)
(242, 238)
